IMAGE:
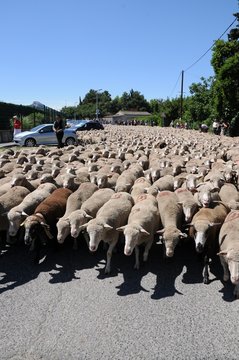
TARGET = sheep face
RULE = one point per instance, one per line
(35, 227)
(15, 220)
(171, 237)
(77, 222)
(63, 230)
(201, 232)
(131, 238)
(96, 233)
(189, 211)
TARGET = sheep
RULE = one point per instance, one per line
(216, 178)
(18, 213)
(20, 180)
(113, 214)
(179, 181)
(125, 181)
(143, 222)
(45, 218)
(155, 173)
(230, 196)
(192, 181)
(229, 249)
(204, 229)
(171, 216)
(88, 210)
(188, 202)
(74, 202)
(9, 200)
(163, 183)
(140, 186)
(206, 194)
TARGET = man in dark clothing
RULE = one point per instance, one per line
(58, 127)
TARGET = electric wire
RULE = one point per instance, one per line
(195, 62)
(175, 84)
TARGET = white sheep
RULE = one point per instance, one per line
(229, 249)
(230, 196)
(171, 214)
(140, 186)
(74, 202)
(188, 202)
(88, 210)
(143, 222)
(204, 229)
(112, 215)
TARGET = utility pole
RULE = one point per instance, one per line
(181, 98)
(97, 111)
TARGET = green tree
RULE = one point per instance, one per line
(225, 61)
(199, 105)
(134, 101)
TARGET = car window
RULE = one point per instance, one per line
(47, 129)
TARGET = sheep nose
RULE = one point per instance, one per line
(92, 248)
(169, 253)
(199, 248)
(235, 280)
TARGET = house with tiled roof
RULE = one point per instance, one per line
(126, 117)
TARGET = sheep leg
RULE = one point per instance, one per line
(136, 249)
(86, 237)
(236, 291)
(109, 256)
(146, 250)
(205, 271)
(226, 274)
(75, 244)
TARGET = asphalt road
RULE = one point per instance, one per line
(65, 308)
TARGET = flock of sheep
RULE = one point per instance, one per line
(148, 184)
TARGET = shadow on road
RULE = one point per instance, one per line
(17, 268)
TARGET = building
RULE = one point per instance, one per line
(127, 117)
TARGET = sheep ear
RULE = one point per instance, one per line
(142, 230)
(222, 253)
(160, 232)
(87, 216)
(121, 228)
(106, 226)
(23, 213)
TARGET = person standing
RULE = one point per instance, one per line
(58, 127)
(215, 127)
(17, 125)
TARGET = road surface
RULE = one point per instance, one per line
(66, 308)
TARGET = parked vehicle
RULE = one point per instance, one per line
(44, 135)
(89, 125)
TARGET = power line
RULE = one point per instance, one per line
(175, 84)
(210, 47)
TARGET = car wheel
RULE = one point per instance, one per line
(30, 142)
(70, 141)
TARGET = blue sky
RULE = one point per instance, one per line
(54, 51)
